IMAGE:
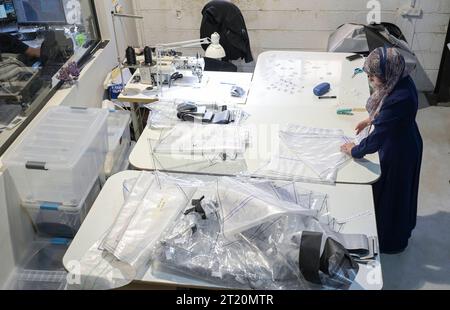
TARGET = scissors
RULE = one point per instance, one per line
(357, 71)
(174, 77)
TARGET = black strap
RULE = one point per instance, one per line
(335, 260)
(343, 265)
(309, 257)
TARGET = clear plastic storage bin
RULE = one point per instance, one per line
(43, 267)
(55, 220)
(119, 140)
(61, 156)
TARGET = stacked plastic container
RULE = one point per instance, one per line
(56, 168)
(119, 141)
(42, 268)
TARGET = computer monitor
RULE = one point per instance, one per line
(7, 12)
(40, 12)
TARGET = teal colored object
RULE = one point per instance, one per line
(357, 71)
(344, 111)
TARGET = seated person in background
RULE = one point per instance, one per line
(9, 44)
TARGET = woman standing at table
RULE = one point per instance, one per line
(393, 109)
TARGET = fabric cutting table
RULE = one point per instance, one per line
(345, 201)
(271, 105)
(212, 88)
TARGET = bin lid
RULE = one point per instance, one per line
(59, 138)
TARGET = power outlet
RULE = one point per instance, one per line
(411, 11)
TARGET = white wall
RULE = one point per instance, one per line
(304, 24)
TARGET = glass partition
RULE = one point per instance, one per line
(37, 39)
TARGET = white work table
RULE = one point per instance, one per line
(269, 108)
(345, 201)
(210, 89)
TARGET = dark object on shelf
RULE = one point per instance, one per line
(218, 65)
(148, 55)
(131, 58)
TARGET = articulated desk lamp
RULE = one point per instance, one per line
(214, 50)
(115, 15)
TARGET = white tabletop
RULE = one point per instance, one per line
(290, 77)
(271, 108)
(345, 201)
(212, 88)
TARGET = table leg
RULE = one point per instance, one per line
(135, 119)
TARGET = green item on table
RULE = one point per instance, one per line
(344, 111)
(80, 39)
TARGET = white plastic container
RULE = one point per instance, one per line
(61, 156)
(119, 140)
(42, 268)
(56, 220)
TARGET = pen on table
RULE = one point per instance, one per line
(328, 97)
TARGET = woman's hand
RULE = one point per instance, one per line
(347, 148)
(363, 125)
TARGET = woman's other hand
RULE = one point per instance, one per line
(362, 125)
(347, 148)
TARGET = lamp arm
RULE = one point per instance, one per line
(189, 43)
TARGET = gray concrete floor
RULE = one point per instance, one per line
(426, 262)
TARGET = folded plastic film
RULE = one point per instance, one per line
(163, 114)
(99, 270)
(141, 221)
(183, 226)
(263, 254)
(243, 206)
(127, 212)
(307, 154)
(152, 202)
(311, 131)
(204, 139)
(321, 153)
(292, 192)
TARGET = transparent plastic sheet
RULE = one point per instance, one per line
(322, 154)
(309, 154)
(99, 270)
(211, 141)
(124, 252)
(153, 204)
(191, 241)
(260, 256)
(362, 135)
(42, 267)
(244, 206)
(163, 114)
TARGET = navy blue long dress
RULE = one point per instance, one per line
(397, 138)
